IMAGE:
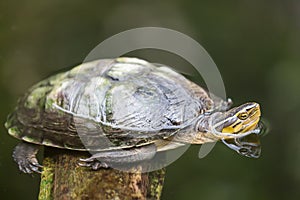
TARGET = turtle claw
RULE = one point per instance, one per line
(35, 166)
(86, 160)
(92, 163)
(25, 156)
(29, 166)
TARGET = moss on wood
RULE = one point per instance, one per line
(62, 178)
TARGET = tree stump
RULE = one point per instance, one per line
(63, 179)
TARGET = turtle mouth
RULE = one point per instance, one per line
(232, 128)
(253, 129)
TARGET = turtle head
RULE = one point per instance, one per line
(236, 122)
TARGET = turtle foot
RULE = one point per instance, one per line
(92, 163)
(25, 156)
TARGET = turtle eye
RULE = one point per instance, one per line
(243, 115)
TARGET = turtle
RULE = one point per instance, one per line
(124, 110)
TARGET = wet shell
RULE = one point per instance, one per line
(125, 101)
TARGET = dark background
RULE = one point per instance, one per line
(255, 45)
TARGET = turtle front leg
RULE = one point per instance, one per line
(106, 159)
(25, 156)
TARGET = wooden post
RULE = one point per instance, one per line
(63, 179)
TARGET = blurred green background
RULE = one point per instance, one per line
(255, 45)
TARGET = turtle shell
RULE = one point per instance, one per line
(124, 101)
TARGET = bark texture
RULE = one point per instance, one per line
(63, 179)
